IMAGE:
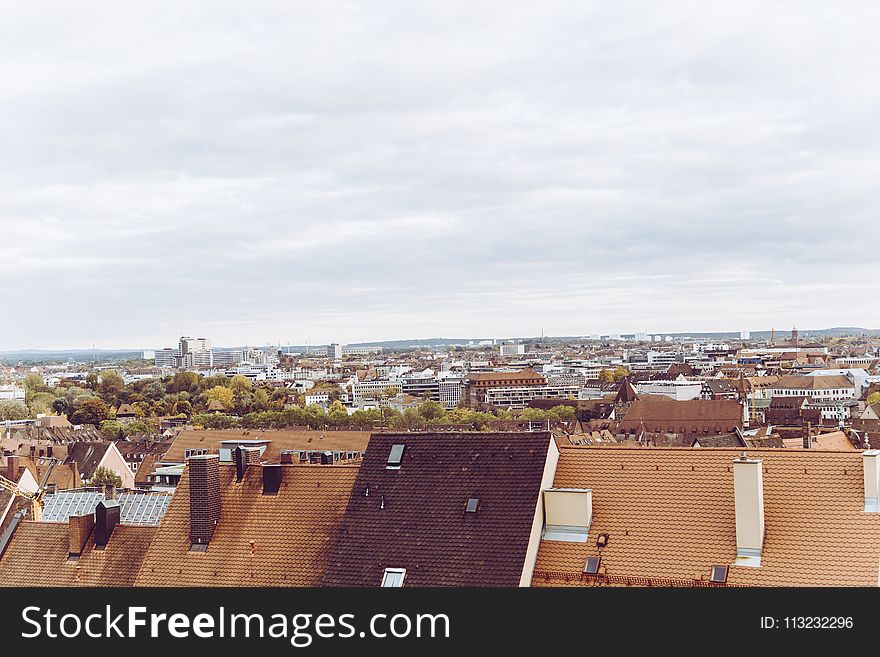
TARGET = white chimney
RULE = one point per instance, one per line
(871, 464)
(568, 513)
(748, 492)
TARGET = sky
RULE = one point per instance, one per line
(292, 172)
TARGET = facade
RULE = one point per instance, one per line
(507, 350)
(166, 358)
(476, 386)
(679, 389)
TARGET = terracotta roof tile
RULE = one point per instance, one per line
(37, 556)
(669, 514)
(210, 439)
(261, 540)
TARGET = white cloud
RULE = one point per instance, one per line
(342, 171)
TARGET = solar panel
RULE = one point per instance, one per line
(472, 505)
(395, 458)
(592, 565)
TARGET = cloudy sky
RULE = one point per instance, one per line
(343, 171)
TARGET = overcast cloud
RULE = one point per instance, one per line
(335, 171)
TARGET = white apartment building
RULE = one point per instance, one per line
(450, 391)
(371, 389)
(679, 389)
(520, 396)
(507, 350)
(227, 358)
(317, 397)
(166, 357)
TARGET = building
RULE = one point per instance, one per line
(695, 517)
(166, 358)
(679, 389)
(194, 353)
(90, 456)
(449, 391)
(476, 386)
(373, 389)
(227, 358)
(453, 509)
(507, 350)
(835, 394)
(694, 417)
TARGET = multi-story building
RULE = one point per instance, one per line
(361, 390)
(194, 353)
(512, 350)
(476, 386)
(227, 358)
(166, 357)
(449, 390)
(422, 385)
(679, 389)
(519, 397)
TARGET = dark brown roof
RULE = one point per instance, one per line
(423, 526)
(720, 440)
(87, 456)
(261, 540)
(37, 556)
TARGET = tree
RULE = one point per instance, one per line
(33, 382)
(185, 382)
(432, 411)
(105, 477)
(873, 398)
(154, 391)
(221, 394)
(112, 429)
(12, 409)
(111, 383)
(92, 380)
(91, 411)
(240, 384)
(62, 406)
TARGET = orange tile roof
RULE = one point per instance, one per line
(210, 439)
(261, 540)
(670, 516)
(37, 556)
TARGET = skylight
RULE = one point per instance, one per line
(592, 565)
(472, 505)
(395, 457)
(719, 574)
(393, 577)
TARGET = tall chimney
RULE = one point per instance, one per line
(240, 462)
(107, 515)
(748, 492)
(204, 497)
(871, 462)
(78, 530)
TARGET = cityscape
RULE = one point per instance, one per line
(160, 457)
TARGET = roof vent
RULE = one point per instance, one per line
(395, 457)
(472, 505)
(719, 574)
(592, 565)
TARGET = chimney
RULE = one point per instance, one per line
(327, 458)
(272, 475)
(286, 457)
(49, 451)
(78, 530)
(107, 515)
(871, 462)
(568, 513)
(12, 467)
(240, 463)
(748, 493)
(109, 492)
(204, 497)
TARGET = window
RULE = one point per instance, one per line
(393, 577)
(193, 452)
(472, 505)
(592, 565)
(719, 574)
(395, 457)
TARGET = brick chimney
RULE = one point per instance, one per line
(78, 531)
(871, 463)
(748, 493)
(204, 497)
(286, 456)
(12, 467)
